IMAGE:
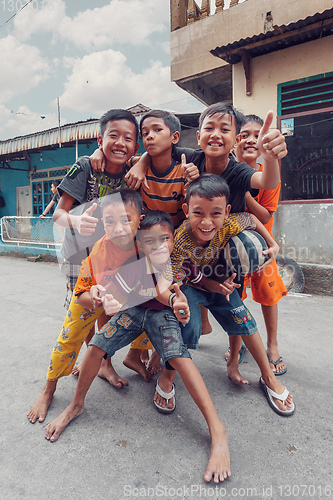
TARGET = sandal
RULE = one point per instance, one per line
(167, 396)
(275, 363)
(270, 394)
(240, 352)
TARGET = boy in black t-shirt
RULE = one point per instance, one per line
(118, 140)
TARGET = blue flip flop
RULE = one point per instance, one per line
(275, 363)
(240, 352)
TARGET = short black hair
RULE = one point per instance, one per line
(252, 118)
(208, 186)
(118, 114)
(170, 120)
(153, 217)
(223, 108)
(55, 183)
(125, 195)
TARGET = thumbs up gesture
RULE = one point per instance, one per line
(180, 306)
(86, 222)
(190, 171)
(271, 143)
(111, 305)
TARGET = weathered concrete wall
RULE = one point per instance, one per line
(305, 232)
(190, 46)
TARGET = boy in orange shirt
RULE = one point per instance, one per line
(267, 286)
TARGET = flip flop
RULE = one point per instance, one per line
(275, 363)
(240, 352)
(167, 396)
(282, 397)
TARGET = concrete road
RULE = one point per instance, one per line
(121, 447)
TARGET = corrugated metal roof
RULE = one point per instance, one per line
(280, 37)
(69, 133)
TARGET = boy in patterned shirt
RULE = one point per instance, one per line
(198, 240)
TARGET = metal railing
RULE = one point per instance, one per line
(188, 11)
(20, 230)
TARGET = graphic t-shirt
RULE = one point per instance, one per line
(86, 187)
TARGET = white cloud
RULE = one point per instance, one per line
(103, 80)
(45, 17)
(22, 68)
(120, 21)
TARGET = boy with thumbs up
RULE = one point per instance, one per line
(142, 307)
(81, 188)
(166, 178)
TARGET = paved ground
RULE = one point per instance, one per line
(120, 447)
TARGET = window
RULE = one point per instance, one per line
(41, 197)
(307, 170)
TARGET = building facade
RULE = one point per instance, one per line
(271, 54)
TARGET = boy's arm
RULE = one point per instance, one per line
(272, 247)
(190, 171)
(47, 209)
(256, 209)
(178, 303)
(137, 174)
(97, 160)
(93, 298)
(85, 223)
(272, 146)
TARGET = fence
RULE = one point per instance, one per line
(26, 231)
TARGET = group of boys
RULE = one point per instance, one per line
(140, 279)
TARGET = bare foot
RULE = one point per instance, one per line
(166, 383)
(39, 409)
(76, 370)
(277, 387)
(144, 356)
(55, 428)
(234, 375)
(206, 326)
(107, 372)
(133, 362)
(273, 354)
(218, 467)
(153, 365)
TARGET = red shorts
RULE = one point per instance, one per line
(267, 286)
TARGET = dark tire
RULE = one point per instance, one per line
(291, 274)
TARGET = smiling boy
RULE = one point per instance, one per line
(82, 186)
(199, 240)
(267, 287)
(142, 312)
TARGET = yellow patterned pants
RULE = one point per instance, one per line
(77, 325)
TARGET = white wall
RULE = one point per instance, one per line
(308, 59)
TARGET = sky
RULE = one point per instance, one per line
(92, 55)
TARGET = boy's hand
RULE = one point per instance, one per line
(97, 160)
(86, 224)
(272, 252)
(136, 175)
(96, 296)
(271, 143)
(228, 286)
(180, 306)
(190, 171)
(111, 305)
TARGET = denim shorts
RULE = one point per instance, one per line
(161, 327)
(232, 315)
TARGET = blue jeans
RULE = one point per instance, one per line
(232, 315)
(161, 327)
